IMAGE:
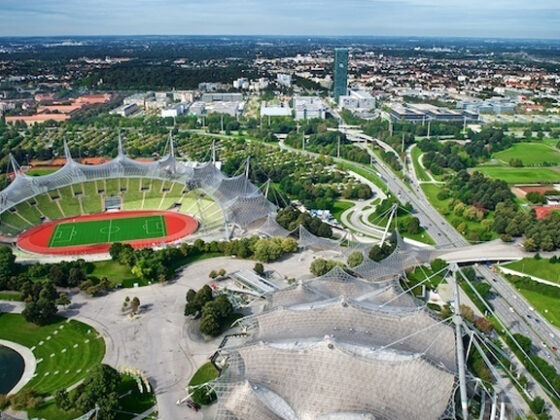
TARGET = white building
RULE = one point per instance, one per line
(198, 108)
(222, 97)
(125, 110)
(282, 110)
(309, 107)
(284, 79)
(357, 100)
(175, 110)
(138, 99)
(184, 95)
(241, 83)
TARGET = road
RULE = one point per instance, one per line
(512, 309)
(520, 318)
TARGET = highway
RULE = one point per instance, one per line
(512, 309)
(523, 319)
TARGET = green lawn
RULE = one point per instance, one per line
(539, 268)
(420, 236)
(531, 154)
(368, 173)
(205, 373)
(117, 273)
(66, 350)
(544, 298)
(13, 296)
(520, 175)
(546, 305)
(340, 207)
(420, 172)
(120, 274)
(40, 171)
(108, 230)
(132, 403)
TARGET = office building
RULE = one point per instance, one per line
(340, 72)
(357, 100)
(309, 107)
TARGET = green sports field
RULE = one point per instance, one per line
(520, 175)
(531, 154)
(106, 231)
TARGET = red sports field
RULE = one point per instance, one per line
(95, 233)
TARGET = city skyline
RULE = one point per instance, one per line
(501, 19)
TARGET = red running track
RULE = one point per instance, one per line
(37, 238)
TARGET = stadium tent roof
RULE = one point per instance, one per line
(338, 282)
(362, 323)
(323, 377)
(242, 203)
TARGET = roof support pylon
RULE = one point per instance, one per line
(14, 164)
(67, 153)
(458, 321)
(171, 146)
(120, 148)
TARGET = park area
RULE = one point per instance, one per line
(95, 233)
(539, 160)
(542, 268)
(530, 154)
(521, 175)
(65, 350)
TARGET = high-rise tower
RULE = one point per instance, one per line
(340, 72)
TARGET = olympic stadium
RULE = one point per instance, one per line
(340, 347)
(82, 208)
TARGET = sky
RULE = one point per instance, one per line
(464, 18)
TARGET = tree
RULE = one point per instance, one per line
(213, 274)
(221, 272)
(75, 276)
(99, 388)
(259, 268)
(355, 259)
(7, 262)
(209, 323)
(414, 225)
(40, 312)
(196, 301)
(57, 275)
(115, 250)
(63, 300)
(62, 399)
(134, 304)
(467, 313)
(40, 305)
(321, 266)
(530, 245)
(483, 325)
(538, 405)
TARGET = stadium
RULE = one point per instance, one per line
(339, 347)
(81, 209)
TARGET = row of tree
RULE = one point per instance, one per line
(214, 310)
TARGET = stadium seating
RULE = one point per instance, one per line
(132, 198)
(91, 201)
(88, 197)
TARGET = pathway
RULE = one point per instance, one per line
(158, 340)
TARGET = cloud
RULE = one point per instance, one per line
(502, 18)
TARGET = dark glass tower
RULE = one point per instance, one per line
(340, 72)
